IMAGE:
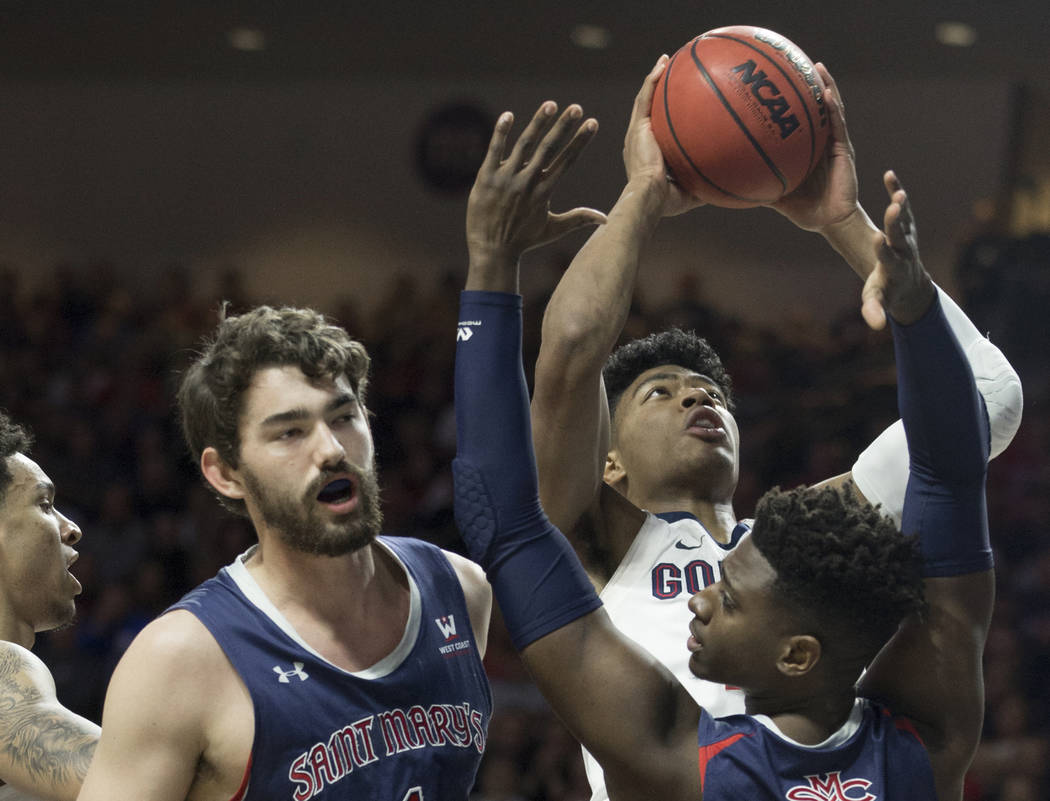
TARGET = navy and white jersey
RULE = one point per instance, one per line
(671, 558)
(412, 727)
(873, 756)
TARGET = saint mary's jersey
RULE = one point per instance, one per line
(873, 756)
(410, 728)
(672, 558)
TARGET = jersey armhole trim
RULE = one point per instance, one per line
(242, 791)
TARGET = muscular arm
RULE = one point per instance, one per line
(931, 670)
(614, 697)
(623, 705)
(582, 323)
(158, 715)
(45, 749)
(828, 204)
(596, 678)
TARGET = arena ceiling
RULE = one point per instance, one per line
(305, 39)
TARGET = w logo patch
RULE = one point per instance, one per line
(447, 627)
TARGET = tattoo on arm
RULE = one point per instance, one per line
(48, 743)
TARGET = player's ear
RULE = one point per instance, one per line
(225, 479)
(799, 655)
(614, 471)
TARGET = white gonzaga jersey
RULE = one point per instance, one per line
(672, 558)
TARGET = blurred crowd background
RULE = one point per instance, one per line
(90, 364)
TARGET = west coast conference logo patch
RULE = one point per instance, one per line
(831, 788)
(453, 644)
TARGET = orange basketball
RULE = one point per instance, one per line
(740, 117)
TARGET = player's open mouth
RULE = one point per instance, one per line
(69, 572)
(693, 643)
(340, 495)
(706, 424)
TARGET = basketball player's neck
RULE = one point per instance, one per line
(351, 609)
(13, 629)
(341, 586)
(711, 504)
(808, 720)
(717, 517)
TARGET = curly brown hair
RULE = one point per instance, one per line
(673, 346)
(13, 439)
(841, 565)
(211, 395)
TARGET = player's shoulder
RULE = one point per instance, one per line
(176, 645)
(426, 558)
(16, 657)
(20, 669)
(173, 667)
(712, 729)
(470, 573)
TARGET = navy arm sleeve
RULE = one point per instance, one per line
(536, 577)
(947, 430)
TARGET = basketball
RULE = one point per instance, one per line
(739, 115)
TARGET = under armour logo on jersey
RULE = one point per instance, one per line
(831, 788)
(447, 626)
(284, 676)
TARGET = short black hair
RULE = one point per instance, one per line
(673, 346)
(842, 564)
(13, 439)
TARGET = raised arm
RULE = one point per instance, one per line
(931, 670)
(508, 212)
(45, 749)
(595, 678)
(827, 203)
(623, 706)
(583, 321)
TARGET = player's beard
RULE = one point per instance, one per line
(301, 523)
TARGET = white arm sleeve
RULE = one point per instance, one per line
(881, 471)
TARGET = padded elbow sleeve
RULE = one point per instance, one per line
(536, 577)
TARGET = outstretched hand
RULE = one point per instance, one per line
(899, 285)
(508, 212)
(829, 194)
